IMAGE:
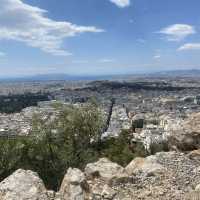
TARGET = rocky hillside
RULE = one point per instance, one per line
(164, 176)
(172, 175)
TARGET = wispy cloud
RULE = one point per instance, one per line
(106, 60)
(22, 22)
(189, 46)
(157, 56)
(177, 32)
(121, 3)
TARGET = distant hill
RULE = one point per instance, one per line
(66, 77)
(180, 73)
(54, 77)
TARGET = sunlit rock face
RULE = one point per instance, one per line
(23, 185)
(74, 185)
(106, 170)
(165, 175)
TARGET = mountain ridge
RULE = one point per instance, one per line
(67, 77)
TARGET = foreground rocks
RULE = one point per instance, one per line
(74, 186)
(164, 176)
(110, 172)
(148, 166)
(23, 185)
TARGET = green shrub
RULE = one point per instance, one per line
(10, 154)
(121, 150)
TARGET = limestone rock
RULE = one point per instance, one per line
(197, 188)
(163, 176)
(147, 165)
(108, 193)
(74, 186)
(23, 185)
(194, 154)
(51, 195)
(106, 170)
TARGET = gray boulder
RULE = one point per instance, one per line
(74, 186)
(147, 166)
(23, 185)
(108, 171)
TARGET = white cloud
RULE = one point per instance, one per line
(2, 54)
(121, 3)
(106, 60)
(178, 32)
(28, 24)
(189, 46)
(157, 56)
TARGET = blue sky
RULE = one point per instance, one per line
(96, 37)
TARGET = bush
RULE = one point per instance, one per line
(10, 154)
(70, 140)
(121, 150)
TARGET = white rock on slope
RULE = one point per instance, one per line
(23, 185)
(108, 171)
(74, 185)
(148, 166)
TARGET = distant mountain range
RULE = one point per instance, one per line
(54, 77)
(66, 77)
(180, 73)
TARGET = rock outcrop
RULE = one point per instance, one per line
(147, 166)
(74, 186)
(104, 169)
(23, 185)
(163, 176)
